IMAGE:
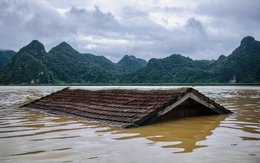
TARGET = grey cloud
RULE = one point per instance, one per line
(24, 22)
(146, 39)
(195, 26)
(133, 32)
(12, 14)
(92, 22)
(231, 16)
(39, 27)
(137, 29)
(238, 9)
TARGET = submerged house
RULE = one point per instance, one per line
(128, 108)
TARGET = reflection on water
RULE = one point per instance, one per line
(182, 134)
(31, 136)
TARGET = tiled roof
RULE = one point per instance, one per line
(126, 108)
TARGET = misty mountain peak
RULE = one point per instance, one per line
(63, 46)
(131, 58)
(246, 41)
(34, 48)
(130, 63)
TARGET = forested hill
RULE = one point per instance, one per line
(5, 57)
(241, 66)
(130, 63)
(69, 66)
(172, 69)
(27, 66)
(102, 62)
(63, 64)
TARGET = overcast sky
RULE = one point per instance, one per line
(199, 29)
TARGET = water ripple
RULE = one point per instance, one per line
(32, 136)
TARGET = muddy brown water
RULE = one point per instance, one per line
(31, 136)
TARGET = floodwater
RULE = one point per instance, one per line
(31, 136)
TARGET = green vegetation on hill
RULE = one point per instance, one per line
(27, 66)
(63, 65)
(5, 57)
(70, 66)
(130, 63)
(102, 62)
(25, 69)
(242, 65)
(172, 69)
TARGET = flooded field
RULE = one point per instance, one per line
(31, 136)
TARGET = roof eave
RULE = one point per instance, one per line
(190, 93)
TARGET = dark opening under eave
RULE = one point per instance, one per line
(188, 108)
